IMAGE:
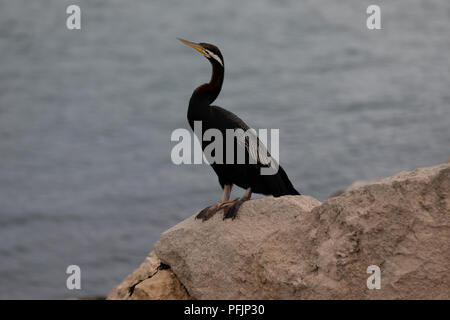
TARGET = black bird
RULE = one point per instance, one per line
(248, 175)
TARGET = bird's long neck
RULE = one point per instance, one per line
(204, 95)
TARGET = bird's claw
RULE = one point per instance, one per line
(230, 212)
(208, 212)
(204, 214)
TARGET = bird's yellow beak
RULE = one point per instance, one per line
(196, 46)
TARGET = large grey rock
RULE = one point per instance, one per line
(296, 248)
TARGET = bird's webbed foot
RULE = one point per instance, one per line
(210, 211)
(231, 211)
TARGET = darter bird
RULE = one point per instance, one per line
(247, 175)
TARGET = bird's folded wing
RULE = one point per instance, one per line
(256, 149)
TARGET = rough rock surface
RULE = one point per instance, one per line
(150, 282)
(294, 247)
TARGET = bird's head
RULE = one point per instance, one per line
(209, 51)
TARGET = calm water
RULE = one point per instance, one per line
(86, 116)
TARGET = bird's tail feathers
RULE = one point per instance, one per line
(282, 186)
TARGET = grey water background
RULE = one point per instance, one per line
(86, 116)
